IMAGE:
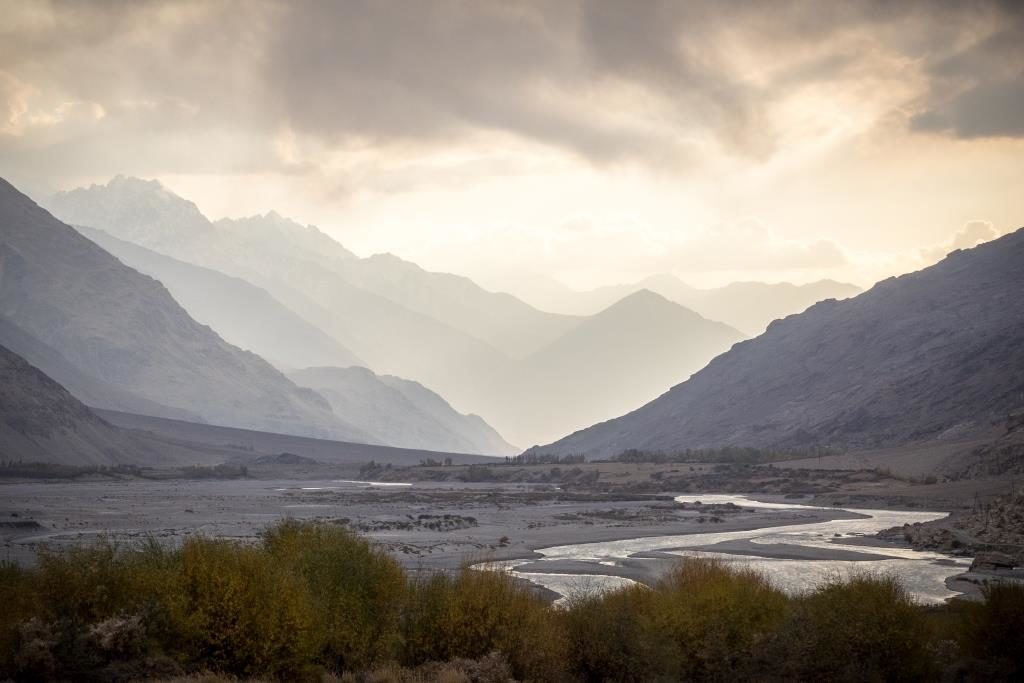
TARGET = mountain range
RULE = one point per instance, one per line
(486, 353)
(928, 355)
(41, 422)
(746, 306)
(112, 322)
(401, 412)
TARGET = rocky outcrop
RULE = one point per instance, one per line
(992, 560)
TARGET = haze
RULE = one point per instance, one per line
(592, 143)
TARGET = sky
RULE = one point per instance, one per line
(589, 142)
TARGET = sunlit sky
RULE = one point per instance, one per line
(591, 142)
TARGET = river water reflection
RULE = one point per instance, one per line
(803, 564)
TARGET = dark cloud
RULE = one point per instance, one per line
(656, 82)
(978, 91)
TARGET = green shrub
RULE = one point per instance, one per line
(358, 590)
(715, 618)
(991, 635)
(863, 628)
(236, 609)
(610, 635)
(475, 613)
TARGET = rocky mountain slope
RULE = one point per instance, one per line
(40, 420)
(932, 352)
(112, 322)
(242, 314)
(89, 389)
(401, 412)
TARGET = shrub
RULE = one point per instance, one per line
(864, 628)
(475, 613)
(609, 635)
(358, 590)
(715, 618)
(235, 609)
(992, 633)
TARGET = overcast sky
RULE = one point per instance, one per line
(596, 142)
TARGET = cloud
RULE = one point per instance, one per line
(749, 244)
(660, 84)
(970, 235)
(978, 90)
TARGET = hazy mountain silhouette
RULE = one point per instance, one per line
(747, 306)
(912, 357)
(625, 355)
(501, 320)
(521, 369)
(300, 267)
(400, 412)
(242, 314)
(112, 322)
(40, 421)
(752, 306)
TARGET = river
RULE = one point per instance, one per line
(801, 552)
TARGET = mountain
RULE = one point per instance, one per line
(747, 306)
(531, 375)
(940, 350)
(91, 390)
(136, 210)
(400, 412)
(501, 320)
(752, 306)
(242, 314)
(301, 268)
(112, 322)
(41, 421)
(627, 354)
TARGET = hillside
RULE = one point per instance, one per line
(501, 320)
(89, 389)
(301, 268)
(40, 421)
(932, 352)
(112, 322)
(400, 412)
(242, 314)
(625, 355)
(246, 446)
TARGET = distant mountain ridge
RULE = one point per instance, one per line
(746, 306)
(112, 322)
(274, 254)
(243, 314)
(627, 354)
(484, 352)
(401, 412)
(936, 350)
